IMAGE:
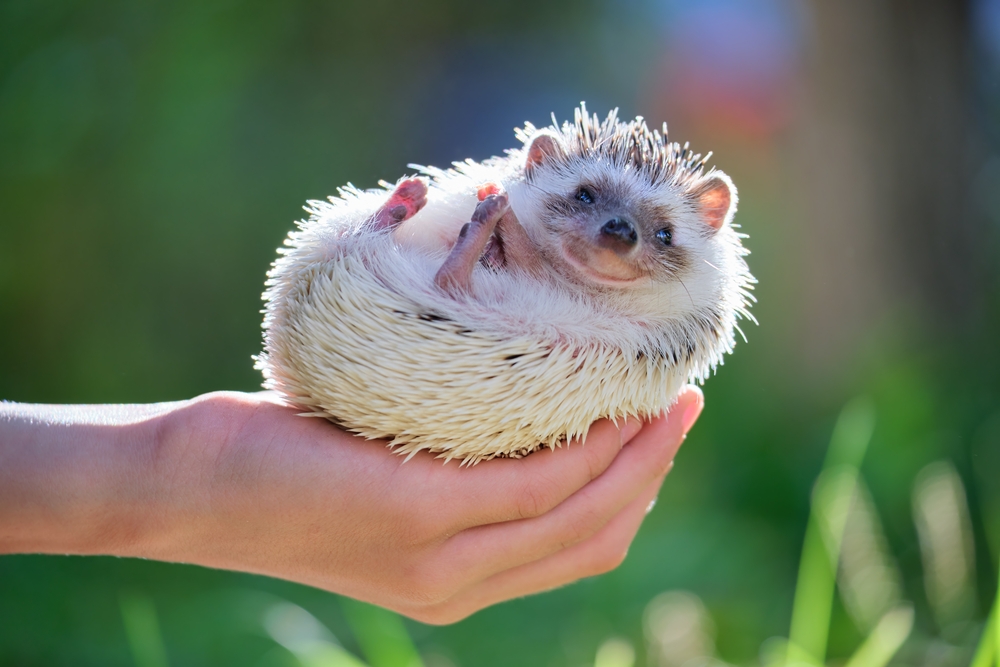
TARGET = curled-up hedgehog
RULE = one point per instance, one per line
(498, 307)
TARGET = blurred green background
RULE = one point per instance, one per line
(154, 154)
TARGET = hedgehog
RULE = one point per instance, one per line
(498, 307)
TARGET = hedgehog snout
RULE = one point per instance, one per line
(618, 234)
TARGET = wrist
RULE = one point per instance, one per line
(80, 479)
(175, 513)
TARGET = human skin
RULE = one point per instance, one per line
(240, 482)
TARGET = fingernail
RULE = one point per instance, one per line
(630, 429)
(691, 413)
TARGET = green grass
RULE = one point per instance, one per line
(988, 651)
(142, 628)
(818, 566)
(381, 634)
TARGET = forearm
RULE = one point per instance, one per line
(78, 479)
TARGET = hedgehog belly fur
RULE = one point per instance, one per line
(405, 364)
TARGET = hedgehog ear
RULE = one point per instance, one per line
(716, 199)
(544, 148)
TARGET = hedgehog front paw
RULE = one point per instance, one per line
(409, 197)
(455, 275)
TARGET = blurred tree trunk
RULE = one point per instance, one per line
(891, 153)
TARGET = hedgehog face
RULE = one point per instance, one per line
(605, 217)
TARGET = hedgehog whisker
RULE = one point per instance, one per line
(681, 281)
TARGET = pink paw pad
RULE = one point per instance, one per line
(409, 197)
(487, 189)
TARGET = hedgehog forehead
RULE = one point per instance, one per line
(625, 145)
(623, 183)
(629, 146)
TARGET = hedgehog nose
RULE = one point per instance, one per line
(620, 230)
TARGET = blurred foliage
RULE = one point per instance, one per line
(154, 154)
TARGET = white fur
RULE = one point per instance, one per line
(356, 330)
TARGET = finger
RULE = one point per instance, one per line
(486, 550)
(506, 489)
(602, 552)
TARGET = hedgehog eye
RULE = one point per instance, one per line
(664, 236)
(583, 194)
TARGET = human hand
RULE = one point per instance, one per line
(240, 482)
(270, 492)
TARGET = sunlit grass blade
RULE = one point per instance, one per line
(851, 434)
(779, 652)
(381, 634)
(816, 586)
(988, 651)
(326, 655)
(816, 582)
(813, 597)
(678, 629)
(883, 642)
(615, 652)
(301, 633)
(796, 657)
(142, 628)
(941, 515)
(868, 580)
